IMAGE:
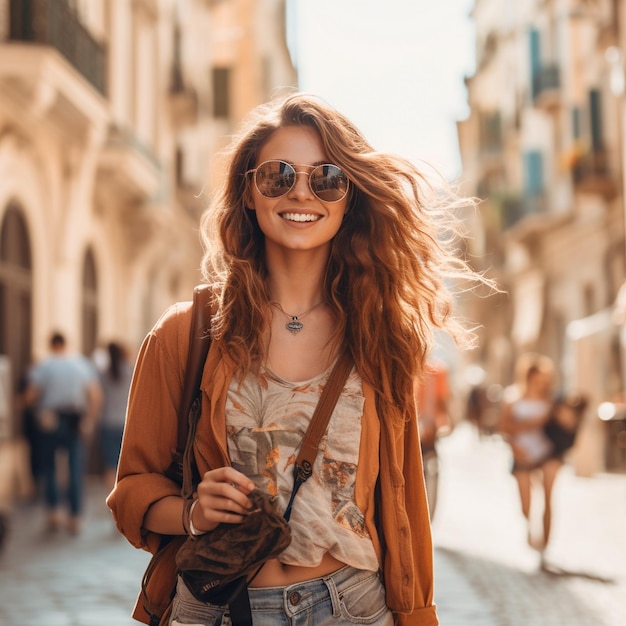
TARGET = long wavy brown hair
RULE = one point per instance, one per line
(391, 264)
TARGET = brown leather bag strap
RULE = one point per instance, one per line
(323, 410)
(199, 342)
(303, 467)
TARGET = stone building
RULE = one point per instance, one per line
(111, 115)
(544, 148)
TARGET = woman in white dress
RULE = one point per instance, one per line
(522, 423)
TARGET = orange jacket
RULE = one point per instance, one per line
(150, 437)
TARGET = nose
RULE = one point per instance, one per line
(301, 188)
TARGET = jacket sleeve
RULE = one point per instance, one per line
(417, 508)
(421, 536)
(150, 432)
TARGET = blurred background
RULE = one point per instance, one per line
(112, 117)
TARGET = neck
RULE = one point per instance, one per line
(296, 300)
(296, 286)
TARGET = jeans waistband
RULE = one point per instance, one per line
(300, 596)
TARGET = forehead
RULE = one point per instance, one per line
(294, 144)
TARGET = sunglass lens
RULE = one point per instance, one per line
(328, 183)
(274, 178)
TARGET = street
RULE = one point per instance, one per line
(486, 575)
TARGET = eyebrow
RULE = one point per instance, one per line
(316, 164)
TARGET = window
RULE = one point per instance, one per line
(221, 92)
(577, 130)
(535, 59)
(533, 173)
(491, 132)
(595, 120)
(90, 304)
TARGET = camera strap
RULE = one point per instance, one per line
(303, 467)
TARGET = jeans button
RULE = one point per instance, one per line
(295, 597)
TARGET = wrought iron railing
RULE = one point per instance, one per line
(55, 23)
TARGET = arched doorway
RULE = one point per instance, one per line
(15, 292)
(90, 304)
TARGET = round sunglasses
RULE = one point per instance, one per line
(275, 178)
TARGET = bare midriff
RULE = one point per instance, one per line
(277, 574)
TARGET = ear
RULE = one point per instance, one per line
(248, 198)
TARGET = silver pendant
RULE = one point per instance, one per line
(294, 326)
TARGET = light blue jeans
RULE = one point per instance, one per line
(348, 596)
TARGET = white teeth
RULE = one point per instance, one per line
(300, 217)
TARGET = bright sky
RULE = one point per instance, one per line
(394, 67)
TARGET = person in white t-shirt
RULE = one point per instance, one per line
(66, 394)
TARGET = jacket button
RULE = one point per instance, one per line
(295, 597)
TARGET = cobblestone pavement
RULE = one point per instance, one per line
(486, 575)
(61, 580)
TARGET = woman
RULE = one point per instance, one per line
(523, 423)
(115, 381)
(316, 242)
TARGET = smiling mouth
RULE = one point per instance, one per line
(300, 217)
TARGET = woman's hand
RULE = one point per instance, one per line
(222, 497)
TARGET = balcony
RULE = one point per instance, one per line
(53, 23)
(51, 69)
(128, 168)
(490, 141)
(591, 173)
(546, 85)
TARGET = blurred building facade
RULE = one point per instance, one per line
(111, 115)
(544, 148)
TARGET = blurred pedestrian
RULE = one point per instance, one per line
(475, 407)
(561, 429)
(523, 423)
(115, 380)
(564, 422)
(317, 244)
(66, 394)
(31, 433)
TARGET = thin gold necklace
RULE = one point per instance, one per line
(295, 325)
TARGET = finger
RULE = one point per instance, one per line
(237, 479)
(218, 509)
(229, 476)
(223, 496)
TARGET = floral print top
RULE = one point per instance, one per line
(266, 419)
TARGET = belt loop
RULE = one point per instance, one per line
(329, 581)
